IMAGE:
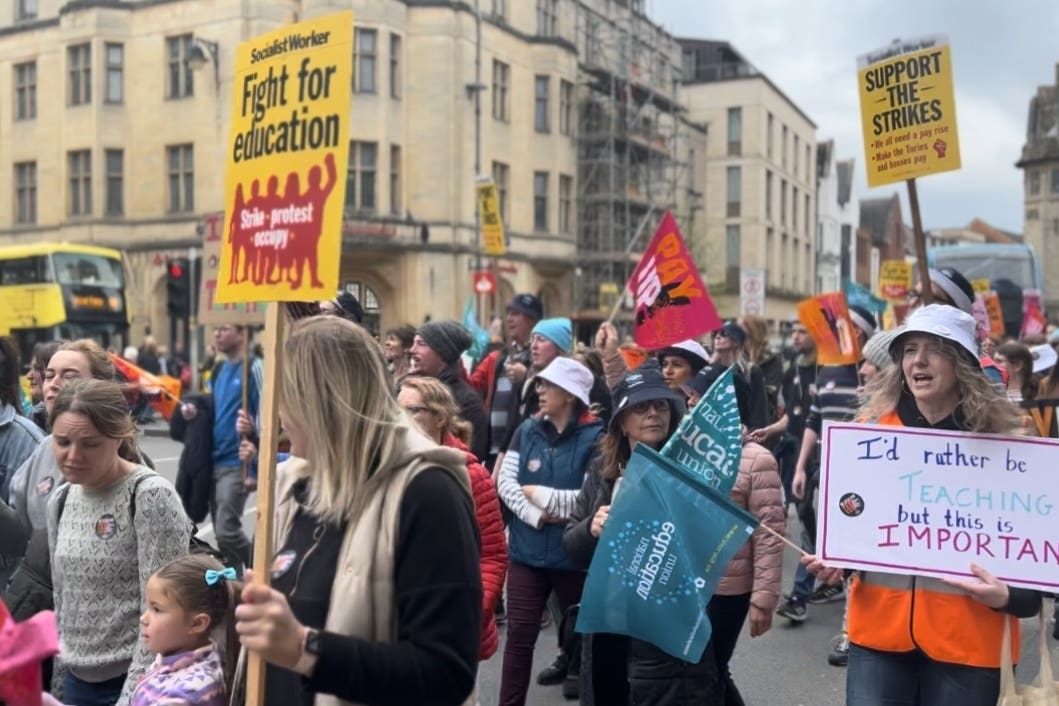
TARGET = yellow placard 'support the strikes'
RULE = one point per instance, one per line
(287, 163)
(489, 218)
(907, 110)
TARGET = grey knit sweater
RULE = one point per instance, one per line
(101, 560)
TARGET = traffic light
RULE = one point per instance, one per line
(178, 287)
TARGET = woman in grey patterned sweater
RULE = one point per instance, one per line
(113, 526)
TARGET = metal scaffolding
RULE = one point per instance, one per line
(630, 168)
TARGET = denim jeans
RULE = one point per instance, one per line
(83, 693)
(226, 511)
(875, 678)
(803, 580)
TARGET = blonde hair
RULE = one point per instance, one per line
(99, 363)
(103, 402)
(985, 407)
(354, 425)
(438, 399)
(756, 336)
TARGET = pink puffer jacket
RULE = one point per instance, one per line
(758, 567)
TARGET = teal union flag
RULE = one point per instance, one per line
(666, 544)
(709, 440)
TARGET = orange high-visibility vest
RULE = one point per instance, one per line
(896, 613)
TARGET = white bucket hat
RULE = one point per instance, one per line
(1044, 357)
(942, 321)
(570, 375)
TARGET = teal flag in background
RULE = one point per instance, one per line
(665, 546)
(479, 334)
(857, 295)
(709, 440)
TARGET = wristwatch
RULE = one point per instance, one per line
(313, 644)
(312, 648)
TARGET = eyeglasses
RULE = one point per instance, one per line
(648, 405)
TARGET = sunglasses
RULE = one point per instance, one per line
(648, 405)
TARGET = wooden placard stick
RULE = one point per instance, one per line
(921, 244)
(266, 472)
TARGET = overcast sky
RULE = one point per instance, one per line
(1001, 52)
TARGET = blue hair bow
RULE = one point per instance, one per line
(212, 577)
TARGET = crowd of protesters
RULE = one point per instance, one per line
(425, 501)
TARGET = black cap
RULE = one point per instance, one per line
(643, 386)
(349, 307)
(733, 331)
(866, 319)
(527, 304)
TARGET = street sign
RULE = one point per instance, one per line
(751, 292)
(484, 282)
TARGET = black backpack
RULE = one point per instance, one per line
(196, 545)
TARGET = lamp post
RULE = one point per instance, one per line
(200, 52)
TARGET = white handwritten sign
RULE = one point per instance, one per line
(917, 501)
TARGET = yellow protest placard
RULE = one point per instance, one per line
(981, 286)
(895, 279)
(907, 110)
(489, 218)
(287, 163)
(211, 312)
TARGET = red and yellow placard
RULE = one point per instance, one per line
(287, 163)
(672, 302)
(907, 110)
(826, 318)
(895, 280)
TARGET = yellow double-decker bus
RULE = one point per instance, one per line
(58, 290)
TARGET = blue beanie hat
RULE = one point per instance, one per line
(558, 331)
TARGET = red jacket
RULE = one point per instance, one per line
(494, 544)
(483, 378)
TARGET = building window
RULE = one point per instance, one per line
(770, 245)
(771, 129)
(808, 165)
(364, 61)
(26, 10)
(26, 192)
(785, 258)
(807, 215)
(566, 107)
(547, 18)
(79, 60)
(566, 204)
(783, 202)
(1055, 181)
(501, 177)
(115, 203)
(734, 191)
(180, 163)
(115, 54)
(735, 132)
(501, 73)
(361, 172)
(499, 10)
(794, 168)
(540, 201)
(395, 180)
(541, 85)
(768, 195)
(783, 146)
(1035, 175)
(79, 196)
(26, 91)
(733, 247)
(794, 209)
(395, 66)
(180, 81)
